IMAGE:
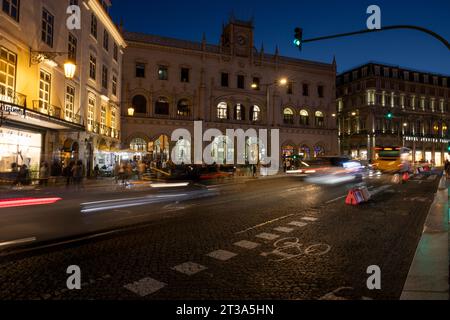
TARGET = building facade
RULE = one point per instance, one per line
(44, 115)
(170, 83)
(383, 106)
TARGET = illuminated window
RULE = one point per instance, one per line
(69, 103)
(320, 120)
(222, 110)
(163, 73)
(256, 113)
(288, 116)
(92, 67)
(304, 118)
(44, 90)
(239, 112)
(183, 108)
(8, 61)
(91, 113)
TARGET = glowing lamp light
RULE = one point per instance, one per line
(69, 69)
(130, 111)
(283, 81)
(254, 86)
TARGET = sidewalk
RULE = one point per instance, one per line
(428, 278)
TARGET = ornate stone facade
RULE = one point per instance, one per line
(169, 83)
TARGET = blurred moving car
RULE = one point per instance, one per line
(333, 170)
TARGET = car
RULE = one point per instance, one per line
(334, 170)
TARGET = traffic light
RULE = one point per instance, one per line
(298, 38)
(448, 147)
(389, 115)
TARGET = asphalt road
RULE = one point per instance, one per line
(265, 239)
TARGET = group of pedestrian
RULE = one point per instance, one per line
(74, 173)
(22, 175)
(123, 171)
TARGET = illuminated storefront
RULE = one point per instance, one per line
(19, 147)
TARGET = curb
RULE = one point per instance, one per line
(428, 277)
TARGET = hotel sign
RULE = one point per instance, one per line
(11, 108)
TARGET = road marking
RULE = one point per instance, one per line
(247, 244)
(284, 229)
(189, 268)
(311, 219)
(379, 190)
(222, 255)
(334, 200)
(298, 224)
(267, 236)
(265, 223)
(18, 241)
(145, 287)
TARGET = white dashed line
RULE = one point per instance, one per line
(267, 236)
(265, 223)
(145, 287)
(298, 224)
(222, 255)
(284, 229)
(247, 244)
(189, 268)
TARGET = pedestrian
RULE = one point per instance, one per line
(447, 168)
(44, 174)
(96, 171)
(77, 174)
(254, 170)
(141, 169)
(68, 173)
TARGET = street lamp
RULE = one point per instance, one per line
(280, 82)
(69, 69)
(130, 111)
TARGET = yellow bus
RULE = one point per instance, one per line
(392, 159)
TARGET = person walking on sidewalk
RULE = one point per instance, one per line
(44, 174)
(67, 172)
(77, 172)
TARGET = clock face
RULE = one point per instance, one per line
(242, 40)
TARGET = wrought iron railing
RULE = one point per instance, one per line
(9, 96)
(47, 109)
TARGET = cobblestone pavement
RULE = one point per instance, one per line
(280, 239)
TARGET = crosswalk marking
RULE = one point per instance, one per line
(189, 268)
(267, 236)
(284, 229)
(222, 255)
(145, 287)
(298, 224)
(247, 244)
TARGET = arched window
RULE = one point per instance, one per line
(183, 108)
(162, 106)
(288, 116)
(139, 103)
(320, 120)
(304, 118)
(138, 145)
(222, 110)
(255, 113)
(239, 112)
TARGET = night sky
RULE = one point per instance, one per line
(276, 20)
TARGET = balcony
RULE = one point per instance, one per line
(12, 97)
(103, 130)
(47, 109)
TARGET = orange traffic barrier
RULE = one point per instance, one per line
(355, 197)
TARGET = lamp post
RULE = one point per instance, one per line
(280, 82)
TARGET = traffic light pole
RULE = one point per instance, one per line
(433, 34)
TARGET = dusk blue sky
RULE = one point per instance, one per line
(276, 20)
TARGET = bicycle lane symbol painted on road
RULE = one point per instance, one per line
(291, 248)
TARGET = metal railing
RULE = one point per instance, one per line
(47, 109)
(9, 96)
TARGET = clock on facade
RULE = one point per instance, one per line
(242, 40)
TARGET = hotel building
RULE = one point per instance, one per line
(44, 115)
(383, 106)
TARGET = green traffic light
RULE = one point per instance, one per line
(297, 42)
(389, 115)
